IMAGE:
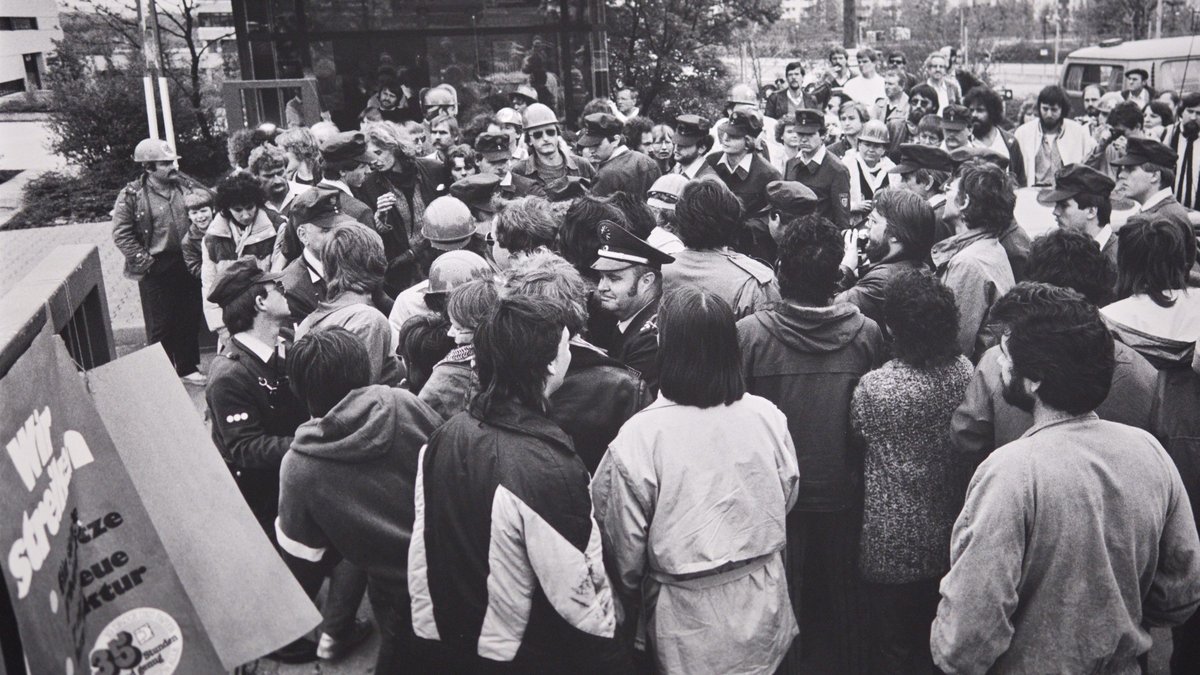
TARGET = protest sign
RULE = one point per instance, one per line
(98, 583)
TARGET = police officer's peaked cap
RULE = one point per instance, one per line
(345, 150)
(689, 129)
(476, 191)
(597, 127)
(1076, 179)
(619, 248)
(915, 156)
(744, 123)
(319, 206)
(494, 146)
(237, 278)
(1146, 151)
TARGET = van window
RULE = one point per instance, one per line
(1178, 75)
(1080, 75)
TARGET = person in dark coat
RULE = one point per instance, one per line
(987, 114)
(819, 170)
(494, 153)
(785, 102)
(618, 168)
(899, 237)
(502, 501)
(559, 174)
(741, 167)
(1147, 174)
(599, 393)
(631, 288)
(806, 355)
(150, 223)
(1081, 199)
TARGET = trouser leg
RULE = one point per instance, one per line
(347, 586)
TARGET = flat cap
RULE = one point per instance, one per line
(1137, 71)
(689, 129)
(596, 128)
(665, 192)
(744, 123)
(1146, 151)
(969, 152)
(319, 206)
(237, 278)
(476, 191)
(809, 121)
(619, 248)
(494, 146)
(915, 156)
(955, 117)
(791, 197)
(345, 150)
(1076, 179)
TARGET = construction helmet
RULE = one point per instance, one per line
(539, 115)
(509, 116)
(154, 150)
(448, 224)
(742, 94)
(454, 268)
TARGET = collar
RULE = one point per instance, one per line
(1086, 417)
(1103, 236)
(946, 249)
(316, 270)
(795, 99)
(624, 325)
(510, 414)
(621, 150)
(744, 164)
(817, 158)
(1155, 198)
(337, 184)
(691, 170)
(261, 350)
(507, 180)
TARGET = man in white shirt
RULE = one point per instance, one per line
(626, 105)
(1182, 139)
(868, 87)
(1136, 89)
(1052, 140)
(937, 67)
(1081, 201)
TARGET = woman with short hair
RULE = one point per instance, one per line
(691, 499)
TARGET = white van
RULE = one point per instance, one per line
(1173, 63)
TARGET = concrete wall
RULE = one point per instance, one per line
(15, 43)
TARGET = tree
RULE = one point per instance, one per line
(179, 25)
(1131, 19)
(665, 49)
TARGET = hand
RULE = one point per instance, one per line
(385, 202)
(850, 258)
(865, 206)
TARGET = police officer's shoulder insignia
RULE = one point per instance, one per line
(651, 324)
(236, 417)
(845, 199)
(761, 272)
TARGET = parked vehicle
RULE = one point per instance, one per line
(1173, 63)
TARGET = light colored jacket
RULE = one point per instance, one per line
(880, 181)
(219, 237)
(1073, 540)
(692, 504)
(974, 265)
(1074, 145)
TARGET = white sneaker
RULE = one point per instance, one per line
(197, 378)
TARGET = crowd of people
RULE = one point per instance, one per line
(787, 391)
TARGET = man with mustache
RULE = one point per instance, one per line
(987, 113)
(922, 101)
(150, 221)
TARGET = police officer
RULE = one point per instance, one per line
(559, 173)
(314, 214)
(254, 414)
(630, 287)
(619, 169)
(925, 170)
(819, 170)
(788, 199)
(478, 191)
(742, 168)
(494, 152)
(150, 221)
(956, 127)
(693, 140)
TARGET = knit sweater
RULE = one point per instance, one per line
(913, 483)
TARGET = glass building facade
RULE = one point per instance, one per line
(482, 47)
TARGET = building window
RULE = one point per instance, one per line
(215, 20)
(18, 23)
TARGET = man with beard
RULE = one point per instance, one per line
(1182, 139)
(922, 101)
(619, 168)
(1052, 140)
(268, 163)
(987, 113)
(560, 174)
(785, 103)
(839, 72)
(692, 143)
(819, 170)
(630, 288)
(899, 235)
(1091, 106)
(150, 221)
(1028, 574)
(1081, 203)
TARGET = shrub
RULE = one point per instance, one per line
(59, 198)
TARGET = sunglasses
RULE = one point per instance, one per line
(663, 197)
(546, 133)
(896, 62)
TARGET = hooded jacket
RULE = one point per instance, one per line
(807, 361)
(347, 482)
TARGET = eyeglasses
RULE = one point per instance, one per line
(896, 62)
(547, 133)
(934, 66)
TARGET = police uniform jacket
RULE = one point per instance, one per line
(301, 291)
(745, 283)
(830, 180)
(637, 347)
(254, 416)
(630, 171)
(146, 221)
(288, 245)
(749, 186)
